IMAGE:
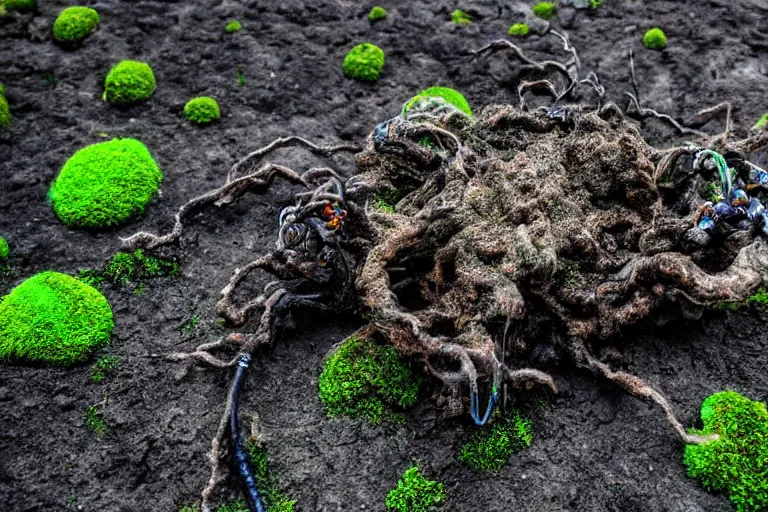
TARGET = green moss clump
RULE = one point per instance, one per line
(364, 62)
(274, 500)
(103, 184)
(459, 17)
(544, 10)
(53, 318)
(761, 123)
(377, 13)
(451, 96)
(655, 39)
(19, 5)
(365, 380)
(128, 82)
(233, 26)
(74, 24)
(736, 462)
(759, 299)
(414, 493)
(5, 251)
(95, 421)
(5, 111)
(519, 30)
(490, 448)
(125, 267)
(202, 110)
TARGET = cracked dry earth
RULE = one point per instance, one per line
(595, 448)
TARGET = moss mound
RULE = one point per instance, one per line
(490, 448)
(414, 493)
(5, 112)
(459, 17)
(103, 184)
(452, 96)
(18, 5)
(377, 13)
(53, 318)
(74, 24)
(736, 463)
(5, 251)
(544, 10)
(202, 110)
(655, 39)
(232, 26)
(364, 62)
(363, 379)
(128, 82)
(519, 30)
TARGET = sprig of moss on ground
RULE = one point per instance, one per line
(130, 267)
(103, 367)
(414, 493)
(758, 300)
(490, 447)
(366, 380)
(459, 17)
(94, 420)
(737, 462)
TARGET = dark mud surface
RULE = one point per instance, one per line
(594, 448)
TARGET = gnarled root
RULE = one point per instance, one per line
(635, 386)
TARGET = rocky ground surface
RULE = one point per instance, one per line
(594, 448)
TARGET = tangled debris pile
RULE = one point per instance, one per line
(515, 234)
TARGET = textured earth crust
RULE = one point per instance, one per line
(595, 448)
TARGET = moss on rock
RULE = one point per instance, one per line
(377, 13)
(452, 96)
(74, 24)
(544, 10)
(128, 82)
(103, 184)
(53, 318)
(202, 110)
(519, 30)
(737, 462)
(233, 26)
(414, 493)
(366, 380)
(459, 17)
(364, 62)
(655, 39)
(19, 5)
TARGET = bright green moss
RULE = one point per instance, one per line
(103, 184)
(414, 493)
(5, 113)
(364, 62)
(233, 26)
(452, 96)
(377, 13)
(736, 463)
(761, 123)
(53, 318)
(759, 299)
(19, 5)
(490, 448)
(519, 30)
(75, 24)
(274, 500)
(128, 82)
(655, 39)
(544, 10)
(202, 110)
(5, 251)
(459, 17)
(366, 380)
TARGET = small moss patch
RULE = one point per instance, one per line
(103, 367)
(95, 421)
(519, 30)
(53, 318)
(18, 5)
(128, 82)
(104, 184)
(233, 26)
(386, 199)
(366, 380)
(451, 96)
(459, 17)
(655, 39)
(761, 123)
(5, 111)
(202, 110)
(364, 62)
(377, 13)
(74, 24)
(544, 10)
(736, 463)
(490, 448)
(5, 251)
(414, 493)
(274, 500)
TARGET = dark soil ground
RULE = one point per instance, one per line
(594, 448)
